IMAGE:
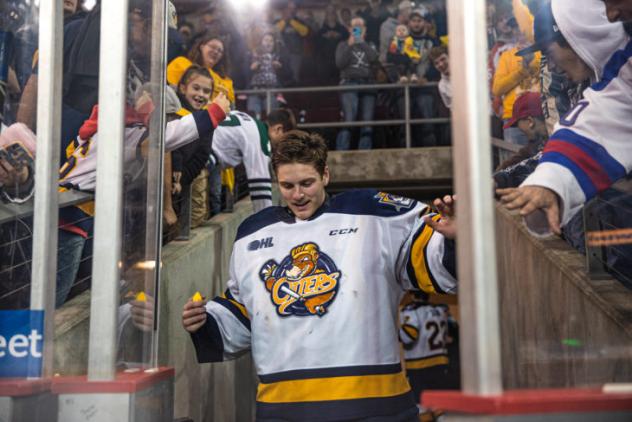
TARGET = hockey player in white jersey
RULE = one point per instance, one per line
(314, 293)
(242, 138)
(590, 148)
(424, 333)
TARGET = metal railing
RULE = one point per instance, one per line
(608, 233)
(407, 121)
(17, 230)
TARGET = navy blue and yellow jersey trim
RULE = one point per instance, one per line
(427, 362)
(396, 408)
(417, 266)
(343, 371)
(235, 308)
(209, 346)
(354, 202)
(370, 202)
(327, 384)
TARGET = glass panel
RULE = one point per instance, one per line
(563, 299)
(142, 187)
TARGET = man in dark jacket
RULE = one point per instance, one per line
(355, 58)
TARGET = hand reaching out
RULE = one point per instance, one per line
(531, 198)
(222, 102)
(446, 225)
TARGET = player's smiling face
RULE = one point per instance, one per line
(302, 188)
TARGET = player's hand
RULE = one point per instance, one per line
(10, 176)
(222, 102)
(445, 206)
(143, 314)
(194, 315)
(531, 198)
(255, 65)
(277, 64)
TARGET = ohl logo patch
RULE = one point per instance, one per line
(305, 283)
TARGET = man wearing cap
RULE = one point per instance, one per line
(527, 116)
(590, 148)
(387, 29)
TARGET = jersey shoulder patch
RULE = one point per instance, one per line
(371, 202)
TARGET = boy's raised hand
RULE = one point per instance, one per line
(222, 102)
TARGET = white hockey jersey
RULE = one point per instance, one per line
(242, 138)
(590, 147)
(423, 332)
(79, 170)
(317, 303)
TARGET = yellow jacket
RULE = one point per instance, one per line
(180, 64)
(511, 79)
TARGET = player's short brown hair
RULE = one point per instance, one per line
(437, 51)
(300, 147)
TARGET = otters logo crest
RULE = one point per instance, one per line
(304, 283)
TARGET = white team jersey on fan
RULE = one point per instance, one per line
(423, 332)
(80, 169)
(317, 302)
(242, 138)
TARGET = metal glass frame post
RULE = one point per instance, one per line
(155, 166)
(109, 191)
(407, 115)
(46, 211)
(477, 272)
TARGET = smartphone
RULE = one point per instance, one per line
(357, 32)
(17, 155)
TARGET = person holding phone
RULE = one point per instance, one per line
(356, 60)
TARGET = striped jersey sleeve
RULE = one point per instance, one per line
(226, 334)
(590, 148)
(192, 126)
(427, 261)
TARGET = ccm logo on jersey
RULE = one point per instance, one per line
(259, 244)
(343, 231)
(396, 201)
(305, 283)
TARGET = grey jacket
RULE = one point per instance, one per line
(355, 61)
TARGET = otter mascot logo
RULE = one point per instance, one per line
(304, 283)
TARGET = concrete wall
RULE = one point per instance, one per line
(209, 392)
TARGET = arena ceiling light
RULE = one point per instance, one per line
(249, 5)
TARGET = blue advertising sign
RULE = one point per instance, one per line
(21, 342)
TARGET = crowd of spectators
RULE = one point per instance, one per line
(214, 54)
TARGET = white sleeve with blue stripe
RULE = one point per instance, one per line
(591, 147)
